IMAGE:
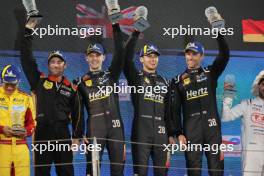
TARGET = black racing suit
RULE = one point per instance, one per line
(149, 123)
(58, 104)
(103, 109)
(194, 94)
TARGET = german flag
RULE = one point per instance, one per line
(253, 30)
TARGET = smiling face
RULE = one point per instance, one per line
(193, 59)
(95, 61)
(56, 66)
(9, 88)
(150, 62)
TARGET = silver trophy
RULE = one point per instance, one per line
(17, 125)
(113, 10)
(140, 18)
(214, 17)
(229, 86)
(32, 11)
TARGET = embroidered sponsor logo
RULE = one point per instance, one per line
(258, 118)
(89, 82)
(18, 100)
(186, 81)
(147, 80)
(153, 97)
(201, 78)
(66, 93)
(48, 85)
(193, 94)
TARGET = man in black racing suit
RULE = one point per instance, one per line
(102, 105)
(194, 95)
(150, 109)
(58, 103)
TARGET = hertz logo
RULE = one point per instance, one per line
(193, 94)
(152, 97)
(98, 95)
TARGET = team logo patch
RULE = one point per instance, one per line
(146, 80)
(258, 118)
(48, 85)
(89, 83)
(186, 81)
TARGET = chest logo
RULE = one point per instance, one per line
(193, 94)
(146, 80)
(89, 83)
(48, 85)
(186, 81)
(258, 118)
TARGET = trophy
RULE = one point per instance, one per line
(229, 86)
(32, 11)
(113, 9)
(140, 18)
(214, 17)
(17, 126)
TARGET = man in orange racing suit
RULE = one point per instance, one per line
(16, 123)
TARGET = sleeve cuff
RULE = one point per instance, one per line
(28, 32)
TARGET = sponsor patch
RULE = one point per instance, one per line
(18, 100)
(193, 94)
(186, 81)
(258, 118)
(89, 83)
(66, 93)
(146, 80)
(48, 85)
(18, 108)
(201, 78)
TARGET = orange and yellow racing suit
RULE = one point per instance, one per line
(14, 152)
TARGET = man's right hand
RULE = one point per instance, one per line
(182, 139)
(7, 131)
(32, 23)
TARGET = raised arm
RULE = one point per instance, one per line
(28, 61)
(229, 113)
(130, 70)
(118, 56)
(222, 59)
